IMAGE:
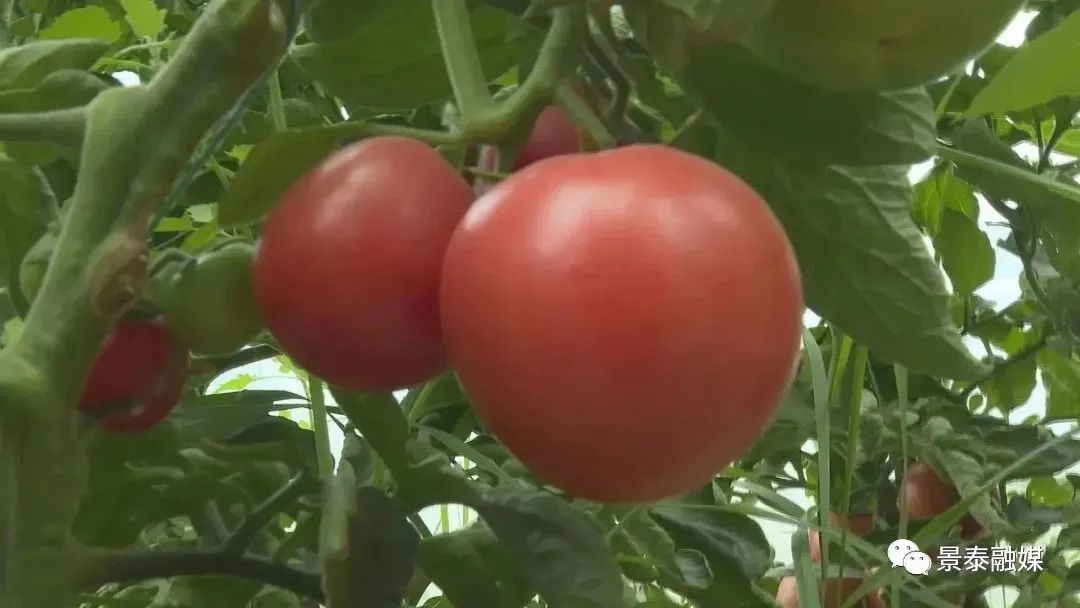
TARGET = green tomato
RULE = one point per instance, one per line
(877, 44)
(210, 303)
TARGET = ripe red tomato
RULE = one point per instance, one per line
(347, 268)
(553, 135)
(139, 366)
(837, 591)
(625, 322)
(925, 494)
(860, 525)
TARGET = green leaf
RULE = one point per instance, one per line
(995, 169)
(650, 540)
(1061, 376)
(1044, 69)
(966, 252)
(1049, 492)
(146, 19)
(88, 22)
(864, 264)
(1012, 386)
(761, 105)
(270, 168)
(358, 67)
(942, 191)
(25, 66)
(472, 569)
(562, 553)
(727, 540)
(369, 550)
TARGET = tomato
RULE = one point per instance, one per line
(347, 268)
(626, 322)
(210, 304)
(925, 494)
(971, 529)
(139, 366)
(860, 525)
(553, 135)
(837, 591)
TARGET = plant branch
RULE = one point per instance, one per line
(317, 396)
(65, 127)
(135, 144)
(1020, 357)
(1061, 127)
(568, 29)
(135, 566)
(238, 541)
(463, 65)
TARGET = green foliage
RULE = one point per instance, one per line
(910, 271)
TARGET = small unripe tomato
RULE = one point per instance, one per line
(136, 379)
(210, 304)
(348, 265)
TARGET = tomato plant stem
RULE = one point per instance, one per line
(135, 144)
(57, 126)
(317, 395)
(238, 541)
(277, 103)
(131, 566)
(463, 65)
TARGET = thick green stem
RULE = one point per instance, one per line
(134, 566)
(556, 59)
(63, 127)
(136, 141)
(481, 119)
(462, 58)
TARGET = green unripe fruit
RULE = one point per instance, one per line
(877, 44)
(209, 304)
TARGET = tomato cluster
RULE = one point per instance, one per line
(592, 305)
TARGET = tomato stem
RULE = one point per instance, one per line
(136, 142)
(463, 64)
(316, 393)
(132, 566)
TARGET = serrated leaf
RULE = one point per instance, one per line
(357, 67)
(146, 19)
(1042, 70)
(24, 67)
(966, 252)
(864, 264)
(562, 552)
(80, 23)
